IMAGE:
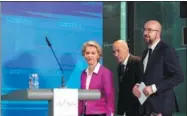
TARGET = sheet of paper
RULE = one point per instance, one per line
(143, 98)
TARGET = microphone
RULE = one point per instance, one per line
(49, 44)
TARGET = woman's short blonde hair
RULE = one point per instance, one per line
(92, 43)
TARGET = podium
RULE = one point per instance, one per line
(47, 94)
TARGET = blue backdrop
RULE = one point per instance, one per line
(24, 49)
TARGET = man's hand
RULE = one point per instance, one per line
(148, 90)
(135, 91)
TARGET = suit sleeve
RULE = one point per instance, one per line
(109, 91)
(173, 70)
(138, 71)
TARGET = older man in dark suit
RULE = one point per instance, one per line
(129, 72)
(162, 72)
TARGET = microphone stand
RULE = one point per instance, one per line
(49, 44)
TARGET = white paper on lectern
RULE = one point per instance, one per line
(143, 98)
(65, 102)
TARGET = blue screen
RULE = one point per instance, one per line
(25, 25)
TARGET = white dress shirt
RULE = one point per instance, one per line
(89, 76)
(146, 59)
(126, 60)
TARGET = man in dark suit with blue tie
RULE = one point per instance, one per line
(162, 72)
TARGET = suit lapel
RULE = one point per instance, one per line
(127, 67)
(128, 63)
(93, 80)
(84, 80)
(119, 74)
(144, 54)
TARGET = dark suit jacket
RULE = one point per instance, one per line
(165, 72)
(131, 75)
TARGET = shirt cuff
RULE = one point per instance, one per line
(154, 88)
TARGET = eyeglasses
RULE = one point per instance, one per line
(149, 30)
